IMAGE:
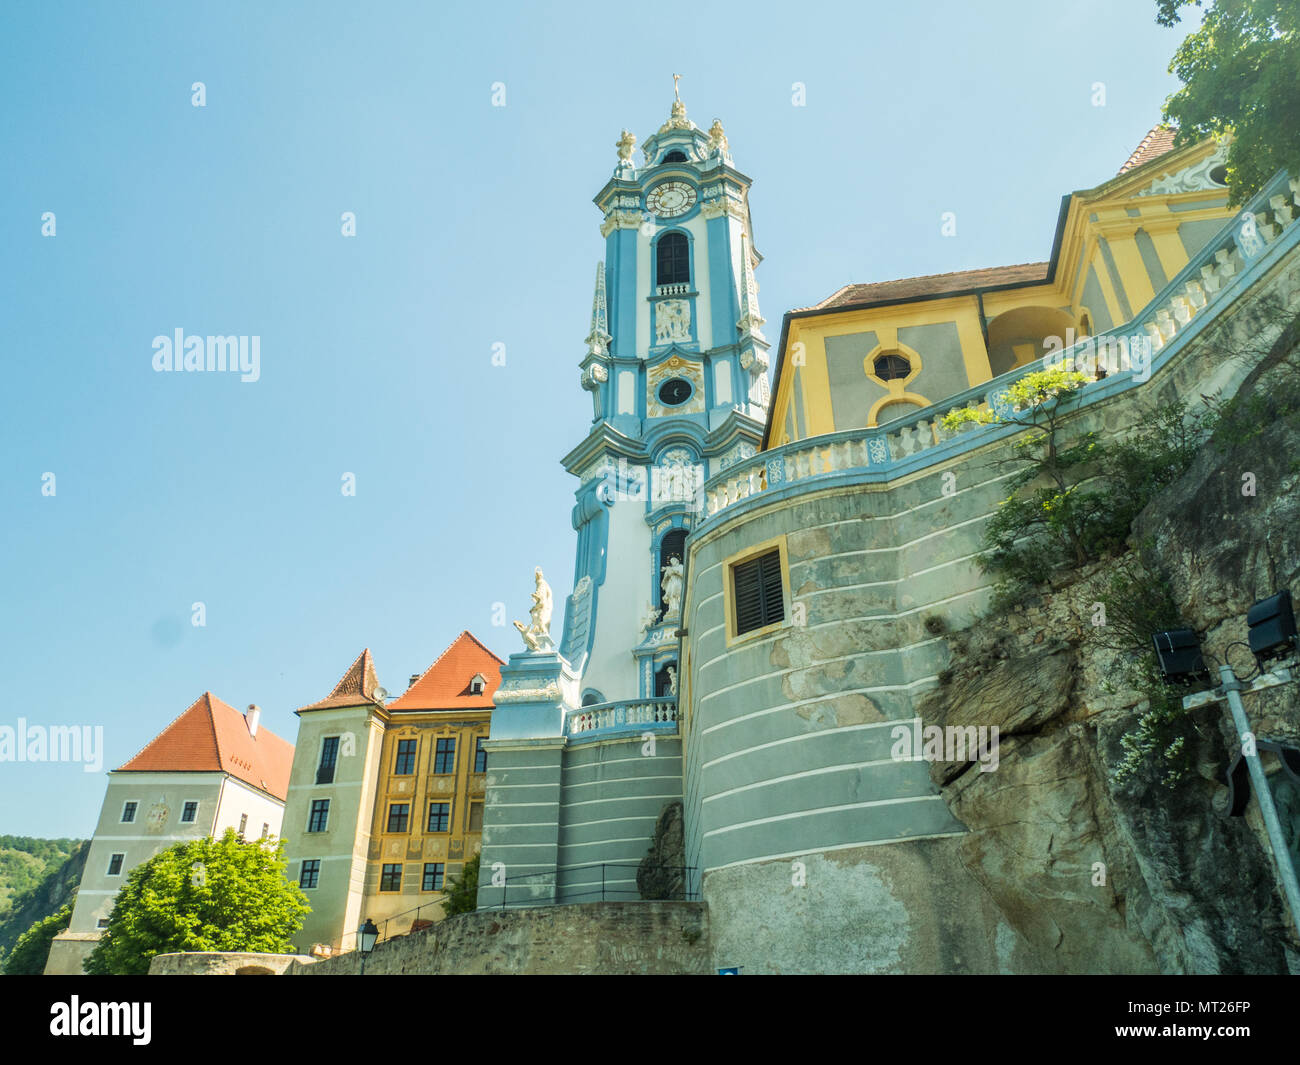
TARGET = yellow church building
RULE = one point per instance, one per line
(871, 353)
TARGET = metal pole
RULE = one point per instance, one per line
(1232, 689)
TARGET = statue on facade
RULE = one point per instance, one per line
(537, 634)
(626, 144)
(673, 581)
(717, 139)
(672, 680)
(650, 618)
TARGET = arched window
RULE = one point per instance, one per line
(672, 260)
(675, 156)
(673, 545)
(592, 699)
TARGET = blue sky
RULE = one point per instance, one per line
(474, 227)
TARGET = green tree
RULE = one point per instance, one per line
(1241, 75)
(210, 894)
(462, 894)
(32, 950)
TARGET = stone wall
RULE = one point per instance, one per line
(224, 963)
(597, 938)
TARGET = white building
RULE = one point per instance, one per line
(211, 769)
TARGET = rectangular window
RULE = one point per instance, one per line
(759, 598)
(128, 812)
(439, 817)
(329, 756)
(266, 830)
(475, 817)
(190, 813)
(444, 759)
(102, 922)
(243, 824)
(433, 876)
(309, 877)
(319, 819)
(480, 756)
(391, 880)
(405, 758)
(399, 814)
(115, 864)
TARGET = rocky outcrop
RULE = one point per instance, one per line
(1099, 876)
(661, 874)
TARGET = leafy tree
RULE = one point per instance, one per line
(462, 896)
(32, 950)
(208, 894)
(1241, 75)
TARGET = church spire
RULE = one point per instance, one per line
(751, 322)
(598, 339)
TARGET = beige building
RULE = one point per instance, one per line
(211, 769)
(386, 799)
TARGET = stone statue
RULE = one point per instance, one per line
(717, 139)
(672, 581)
(672, 680)
(626, 144)
(651, 617)
(537, 634)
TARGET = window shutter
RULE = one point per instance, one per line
(758, 591)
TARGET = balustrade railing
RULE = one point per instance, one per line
(629, 713)
(1133, 345)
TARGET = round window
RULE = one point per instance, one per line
(675, 392)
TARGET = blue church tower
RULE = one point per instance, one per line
(676, 366)
(585, 744)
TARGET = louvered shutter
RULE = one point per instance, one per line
(759, 600)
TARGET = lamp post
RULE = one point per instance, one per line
(1272, 634)
(367, 934)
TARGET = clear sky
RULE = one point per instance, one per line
(474, 227)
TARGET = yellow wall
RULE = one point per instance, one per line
(416, 846)
(1113, 212)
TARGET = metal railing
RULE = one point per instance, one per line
(607, 887)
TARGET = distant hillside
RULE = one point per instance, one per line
(37, 876)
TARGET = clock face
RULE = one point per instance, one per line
(670, 199)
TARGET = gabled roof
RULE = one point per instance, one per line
(1158, 142)
(911, 288)
(212, 736)
(445, 684)
(357, 688)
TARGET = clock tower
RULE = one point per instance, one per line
(676, 364)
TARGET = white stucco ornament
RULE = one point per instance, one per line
(672, 321)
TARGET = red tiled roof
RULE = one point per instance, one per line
(445, 684)
(1155, 144)
(910, 288)
(357, 688)
(212, 736)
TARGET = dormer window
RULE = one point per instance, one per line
(478, 685)
(675, 156)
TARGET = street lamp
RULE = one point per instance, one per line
(367, 935)
(1272, 634)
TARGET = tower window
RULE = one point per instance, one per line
(758, 591)
(672, 260)
(892, 367)
(675, 156)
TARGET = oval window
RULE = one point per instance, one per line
(675, 392)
